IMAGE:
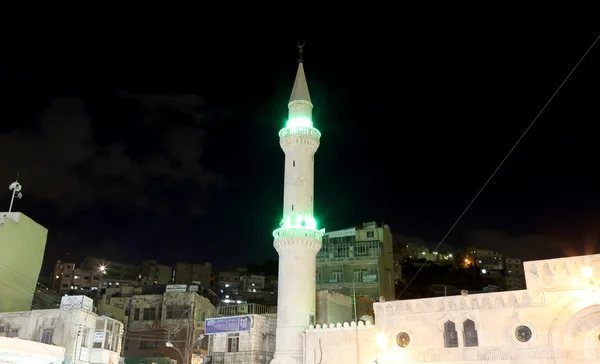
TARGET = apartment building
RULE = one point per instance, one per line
(22, 244)
(153, 273)
(357, 262)
(514, 274)
(168, 325)
(67, 278)
(114, 271)
(193, 273)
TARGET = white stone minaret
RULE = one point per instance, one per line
(297, 240)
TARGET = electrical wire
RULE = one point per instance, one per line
(502, 162)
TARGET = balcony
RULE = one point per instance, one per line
(348, 252)
(362, 281)
(249, 357)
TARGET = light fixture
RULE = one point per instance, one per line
(381, 340)
(169, 344)
(587, 272)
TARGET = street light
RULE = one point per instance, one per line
(102, 270)
(171, 345)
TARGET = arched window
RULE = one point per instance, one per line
(470, 334)
(450, 335)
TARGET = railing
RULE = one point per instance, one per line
(304, 130)
(246, 309)
(350, 251)
(246, 357)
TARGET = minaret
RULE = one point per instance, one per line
(297, 240)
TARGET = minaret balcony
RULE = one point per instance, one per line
(299, 130)
(300, 232)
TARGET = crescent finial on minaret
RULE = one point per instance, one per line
(300, 46)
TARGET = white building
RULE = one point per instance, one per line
(15, 350)
(298, 240)
(73, 330)
(555, 320)
(247, 339)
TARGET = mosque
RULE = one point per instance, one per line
(555, 320)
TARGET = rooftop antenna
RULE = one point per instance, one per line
(16, 188)
(300, 46)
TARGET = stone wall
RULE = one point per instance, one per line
(561, 307)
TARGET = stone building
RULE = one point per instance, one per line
(169, 324)
(555, 320)
(83, 336)
(247, 339)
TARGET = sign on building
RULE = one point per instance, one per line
(227, 324)
(82, 302)
(176, 288)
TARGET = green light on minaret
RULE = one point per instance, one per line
(299, 122)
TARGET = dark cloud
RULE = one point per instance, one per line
(64, 164)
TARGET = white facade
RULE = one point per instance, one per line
(74, 328)
(555, 320)
(298, 240)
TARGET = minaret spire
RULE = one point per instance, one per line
(300, 105)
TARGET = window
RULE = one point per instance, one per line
(523, 334)
(337, 276)
(65, 285)
(359, 274)
(76, 277)
(147, 343)
(292, 207)
(46, 336)
(149, 313)
(84, 337)
(470, 334)
(294, 163)
(126, 345)
(403, 339)
(136, 314)
(450, 335)
(370, 234)
(177, 312)
(233, 343)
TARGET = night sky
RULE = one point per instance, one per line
(162, 143)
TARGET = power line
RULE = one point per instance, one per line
(502, 162)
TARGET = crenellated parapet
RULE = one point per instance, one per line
(351, 326)
(562, 273)
(481, 301)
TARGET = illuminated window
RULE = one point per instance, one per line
(470, 334)
(370, 234)
(450, 335)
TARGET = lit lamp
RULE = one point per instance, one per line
(588, 273)
(172, 346)
(381, 341)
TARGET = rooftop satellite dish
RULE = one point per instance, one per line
(464, 292)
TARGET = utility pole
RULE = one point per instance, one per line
(16, 188)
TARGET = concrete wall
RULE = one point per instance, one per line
(333, 307)
(22, 245)
(561, 307)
